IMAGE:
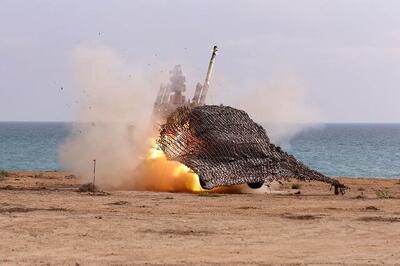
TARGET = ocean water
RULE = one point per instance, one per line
(361, 150)
(31, 145)
(369, 150)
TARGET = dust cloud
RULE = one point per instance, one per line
(115, 102)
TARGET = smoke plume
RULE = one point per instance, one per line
(280, 105)
(115, 103)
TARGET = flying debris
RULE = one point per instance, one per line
(224, 147)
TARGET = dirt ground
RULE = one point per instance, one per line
(44, 220)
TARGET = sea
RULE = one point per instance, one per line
(357, 150)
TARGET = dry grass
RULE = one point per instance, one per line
(383, 194)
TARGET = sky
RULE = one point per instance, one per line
(345, 53)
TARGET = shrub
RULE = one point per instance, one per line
(383, 194)
(39, 175)
(4, 174)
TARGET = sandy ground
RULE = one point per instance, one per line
(44, 220)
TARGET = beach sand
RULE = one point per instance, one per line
(44, 220)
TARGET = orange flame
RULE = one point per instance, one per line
(157, 173)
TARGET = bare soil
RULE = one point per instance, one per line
(45, 220)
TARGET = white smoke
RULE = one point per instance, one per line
(115, 102)
(280, 105)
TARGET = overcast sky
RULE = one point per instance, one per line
(345, 53)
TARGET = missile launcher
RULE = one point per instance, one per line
(172, 95)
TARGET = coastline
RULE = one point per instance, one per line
(45, 220)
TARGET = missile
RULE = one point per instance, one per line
(201, 93)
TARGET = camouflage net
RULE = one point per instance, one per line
(225, 147)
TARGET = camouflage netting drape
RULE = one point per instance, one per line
(225, 147)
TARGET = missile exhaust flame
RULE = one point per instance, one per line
(157, 173)
(160, 174)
